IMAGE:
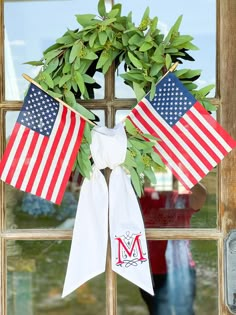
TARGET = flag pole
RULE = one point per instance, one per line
(28, 78)
(172, 68)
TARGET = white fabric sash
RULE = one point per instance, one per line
(127, 234)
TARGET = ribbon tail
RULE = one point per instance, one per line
(89, 242)
(128, 241)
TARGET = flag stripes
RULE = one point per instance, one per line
(192, 147)
(39, 164)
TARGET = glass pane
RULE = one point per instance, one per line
(184, 281)
(168, 204)
(28, 34)
(121, 114)
(24, 210)
(203, 31)
(101, 115)
(35, 278)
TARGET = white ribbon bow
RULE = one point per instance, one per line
(90, 236)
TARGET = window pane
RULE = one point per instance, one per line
(32, 30)
(178, 277)
(199, 21)
(167, 204)
(121, 114)
(35, 278)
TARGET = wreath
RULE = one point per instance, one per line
(68, 67)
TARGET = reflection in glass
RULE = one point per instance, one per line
(168, 204)
(27, 211)
(26, 37)
(204, 33)
(184, 281)
(35, 277)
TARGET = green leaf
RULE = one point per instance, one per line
(205, 90)
(102, 37)
(84, 164)
(151, 137)
(139, 92)
(70, 98)
(129, 160)
(113, 13)
(90, 55)
(134, 60)
(66, 68)
(92, 39)
(48, 80)
(88, 79)
(208, 105)
(150, 175)
(53, 64)
(102, 59)
(181, 39)
(76, 48)
(158, 55)
(157, 159)
(140, 145)
(108, 21)
(179, 73)
(64, 79)
(190, 86)
(125, 39)
(146, 46)
(102, 8)
(51, 55)
(129, 126)
(174, 29)
(34, 63)
(67, 39)
(52, 47)
(190, 46)
(153, 90)
(155, 69)
(153, 24)
(135, 179)
(55, 95)
(85, 19)
(76, 64)
(44, 86)
(83, 111)
(80, 81)
(87, 133)
(168, 61)
(136, 39)
(176, 26)
(190, 74)
(133, 75)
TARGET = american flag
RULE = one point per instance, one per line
(191, 142)
(42, 147)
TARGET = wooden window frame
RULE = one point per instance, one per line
(225, 98)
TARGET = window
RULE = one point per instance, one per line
(35, 234)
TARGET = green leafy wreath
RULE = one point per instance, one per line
(68, 68)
